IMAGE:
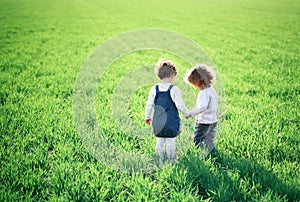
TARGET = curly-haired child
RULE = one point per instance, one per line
(166, 100)
(206, 111)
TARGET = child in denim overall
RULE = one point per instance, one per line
(166, 100)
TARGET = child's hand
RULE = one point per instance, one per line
(148, 121)
(188, 116)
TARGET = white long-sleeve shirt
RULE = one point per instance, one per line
(206, 110)
(175, 95)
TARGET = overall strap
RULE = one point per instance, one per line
(170, 87)
(156, 87)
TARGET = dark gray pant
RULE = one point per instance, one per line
(204, 134)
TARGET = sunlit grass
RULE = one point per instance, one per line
(255, 47)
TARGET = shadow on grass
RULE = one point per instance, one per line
(227, 179)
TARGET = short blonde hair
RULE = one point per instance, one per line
(200, 75)
(165, 69)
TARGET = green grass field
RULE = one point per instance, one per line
(255, 47)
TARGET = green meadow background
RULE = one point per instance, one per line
(255, 46)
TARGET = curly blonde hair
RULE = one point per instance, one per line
(201, 76)
(165, 69)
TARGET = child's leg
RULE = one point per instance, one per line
(170, 148)
(209, 139)
(160, 147)
(200, 133)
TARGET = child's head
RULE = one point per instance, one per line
(165, 69)
(200, 76)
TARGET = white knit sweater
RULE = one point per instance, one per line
(206, 110)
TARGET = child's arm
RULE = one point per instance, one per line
(176, 97)
(149, 105)
(201, 104)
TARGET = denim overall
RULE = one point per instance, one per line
(166, 120)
